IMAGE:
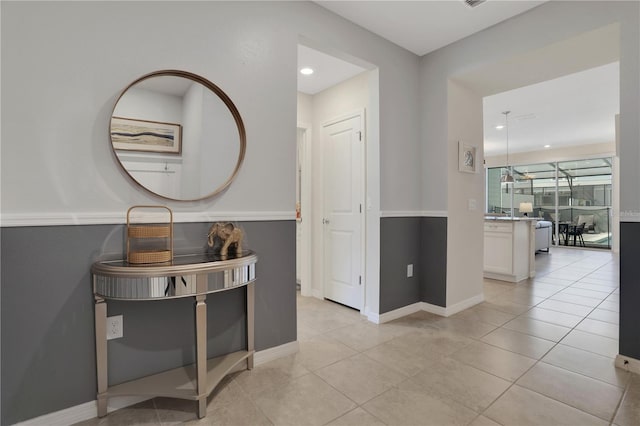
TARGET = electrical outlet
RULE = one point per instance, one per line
(410, 270)
(114, 327)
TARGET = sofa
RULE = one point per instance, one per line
(544, 230)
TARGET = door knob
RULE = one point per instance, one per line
(325, 221)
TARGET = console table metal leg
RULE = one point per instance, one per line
(101, 354)
(201, 344)
(250, 322)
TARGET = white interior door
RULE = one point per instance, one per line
(343, 194)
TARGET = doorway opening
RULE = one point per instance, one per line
(343, 214)
(337, 173)
(561, 155)
(549, 64)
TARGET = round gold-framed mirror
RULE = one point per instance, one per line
(177, 135)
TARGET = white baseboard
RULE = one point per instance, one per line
(89, 409)
(434, 309)
(427, 307)
(373, 317)
(507, 277)
(276, 352)
(397, 313)
(627, 363)
(82, 412)
(453, 309)
(465, 304)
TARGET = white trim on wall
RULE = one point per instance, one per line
(630, 219)
(453, 309)
(82, 412)
(114, 218)
(267, 355)
(434, 309)
(395, 314)
(427, 307)
(408, 213)
(306, 181)
(627, 363)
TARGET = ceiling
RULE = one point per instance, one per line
(424, 26)
(575, 109)
(418, 26)
(327, 70)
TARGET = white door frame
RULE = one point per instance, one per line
(305, 206)
(320, 210)
(371, 233)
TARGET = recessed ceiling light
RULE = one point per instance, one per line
(500, 127)
(306, 71)
(547, 146)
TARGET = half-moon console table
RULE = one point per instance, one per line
(186, 276)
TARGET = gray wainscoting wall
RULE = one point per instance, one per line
(433, 260)
(421, 241)
(629, 289)
(48, 346)
(399, 247)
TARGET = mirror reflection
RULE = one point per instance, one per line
(178, 135)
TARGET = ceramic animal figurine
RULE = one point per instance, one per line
(228, 234)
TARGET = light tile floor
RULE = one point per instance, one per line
(536, 353)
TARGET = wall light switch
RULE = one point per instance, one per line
(410, 270)
(472, 204)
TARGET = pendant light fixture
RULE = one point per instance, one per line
(507, 177)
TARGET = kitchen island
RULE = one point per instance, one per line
(509, 248)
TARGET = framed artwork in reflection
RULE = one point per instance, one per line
(147, 136)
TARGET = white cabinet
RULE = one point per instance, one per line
(509, 249)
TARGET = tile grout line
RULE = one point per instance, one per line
(537, 361)
(624, 394)
(554, 346)
(156, 411)
(540, 360)
(358, 405)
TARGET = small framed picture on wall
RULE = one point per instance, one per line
(467, 158)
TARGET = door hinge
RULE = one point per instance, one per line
(359, 136)
(360, 279)
(360, 208)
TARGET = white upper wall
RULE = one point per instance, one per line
(305, 110)
(64, 64)
(465, 229)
